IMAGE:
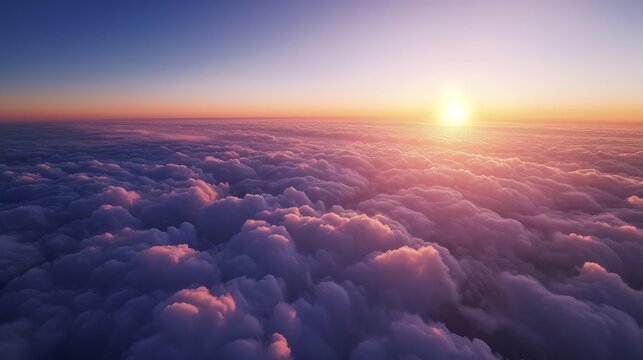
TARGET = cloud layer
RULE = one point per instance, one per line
(271, 240)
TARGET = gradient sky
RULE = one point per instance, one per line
(550, 60)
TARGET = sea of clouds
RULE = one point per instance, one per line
(320, 240)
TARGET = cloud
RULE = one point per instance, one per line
(274, 240)
(408, 336)
(416, 280)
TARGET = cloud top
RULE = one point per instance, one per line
(274, 240)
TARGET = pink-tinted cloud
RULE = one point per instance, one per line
(272, 240)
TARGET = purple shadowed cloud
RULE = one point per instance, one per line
(272, 240)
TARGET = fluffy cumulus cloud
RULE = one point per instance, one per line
(275, 240)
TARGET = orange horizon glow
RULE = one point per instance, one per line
(630, 113)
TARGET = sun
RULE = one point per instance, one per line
(454, 112)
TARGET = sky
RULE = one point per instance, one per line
(505, 60)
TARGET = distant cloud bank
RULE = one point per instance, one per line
(272, 240)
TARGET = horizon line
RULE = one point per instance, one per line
(335, 118)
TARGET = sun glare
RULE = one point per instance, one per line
(454, 112)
